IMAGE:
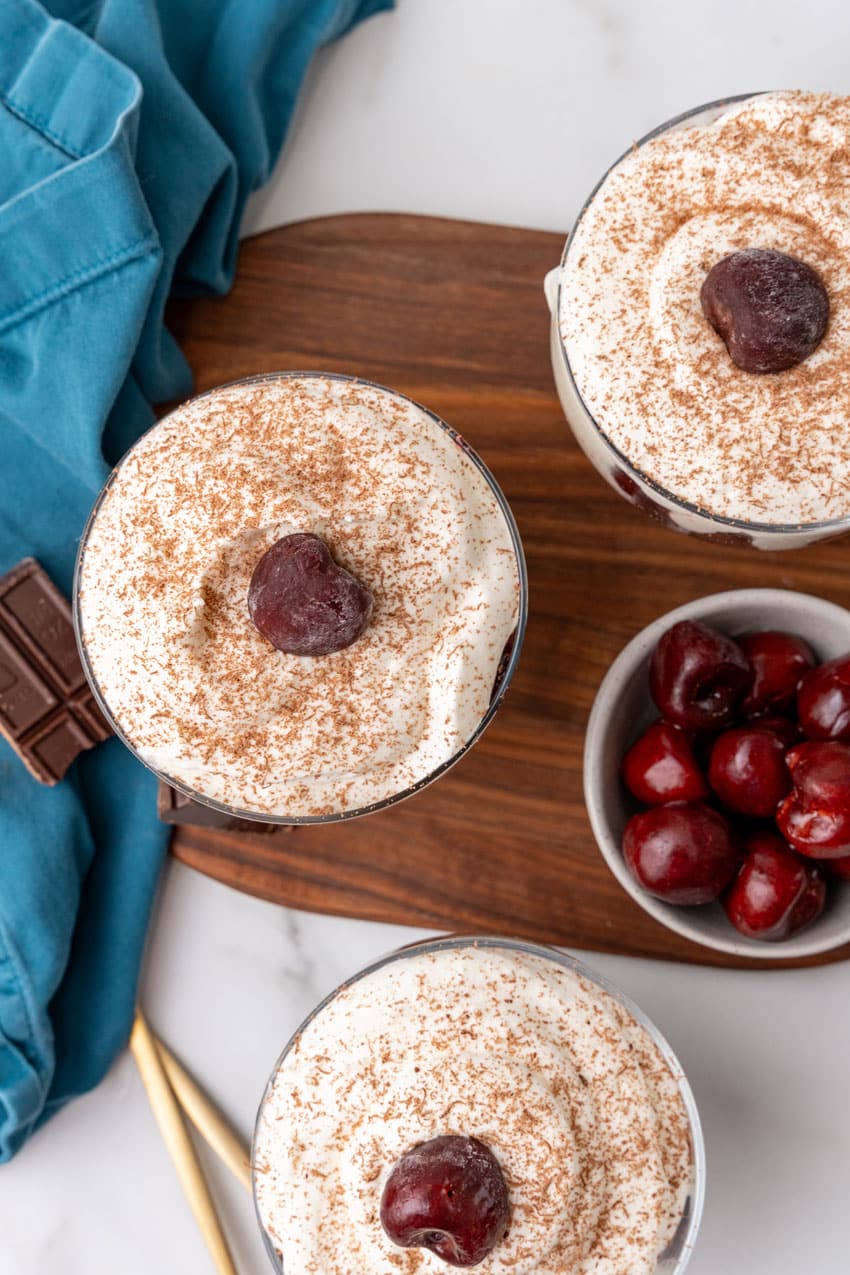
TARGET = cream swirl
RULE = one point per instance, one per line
(771, 172)
(504, 1044)
(164, 584)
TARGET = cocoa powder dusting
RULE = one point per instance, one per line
(555, 1076)
(773, 172)
(200, 693)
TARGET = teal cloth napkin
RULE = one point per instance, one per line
(131, 133)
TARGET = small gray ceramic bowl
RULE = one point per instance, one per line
(623, 708)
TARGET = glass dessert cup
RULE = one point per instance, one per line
(618, 471)
(674, 1258)
(503, 676)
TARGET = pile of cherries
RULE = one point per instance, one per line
(746, 777)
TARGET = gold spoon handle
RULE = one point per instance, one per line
(168, 1116)
(207, 1120)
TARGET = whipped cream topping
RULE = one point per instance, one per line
(563, 1085)
(771, 172)
(164, 582)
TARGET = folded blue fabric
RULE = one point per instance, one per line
(131, 133)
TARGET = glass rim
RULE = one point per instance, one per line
(695, 1202)
(516, 638)
(631, 470)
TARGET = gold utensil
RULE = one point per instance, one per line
(207, 1120)
(167, 1112)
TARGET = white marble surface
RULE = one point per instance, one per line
(499, 111)
(229, 978)
(510, 110)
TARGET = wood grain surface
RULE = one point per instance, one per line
(453, 314)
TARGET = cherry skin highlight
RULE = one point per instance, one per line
(681, 853)
(779, 661)
(782, 727)
(660, 766)
(747, 771)
(698, 676)
(823, 701)
(815, 816)
(448, 1195)
(776, 893)
(302, 602)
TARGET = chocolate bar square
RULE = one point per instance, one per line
(47, 712)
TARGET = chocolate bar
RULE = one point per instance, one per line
(47, 712)
(176, 808)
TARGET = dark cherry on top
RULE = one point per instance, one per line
(453, 314)
(770, 309)
(447, 1195)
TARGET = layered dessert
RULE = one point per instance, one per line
(703, 313)
(295, 596)
(471, 1104)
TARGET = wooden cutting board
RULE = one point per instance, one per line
(453, 314)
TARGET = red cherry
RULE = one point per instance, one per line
(447, 1195)
(303, 602)
(681, 853)
(779, 660)
(660, 766)
(698, 676)
(823, 701)
(747, 771)
(815, 816)
(776, 892)
(640, 499)
(771, 310)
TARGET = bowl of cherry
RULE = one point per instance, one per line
(717, 772)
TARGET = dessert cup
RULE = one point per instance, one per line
(503, 676)
(674, 1258)
(615, 467)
